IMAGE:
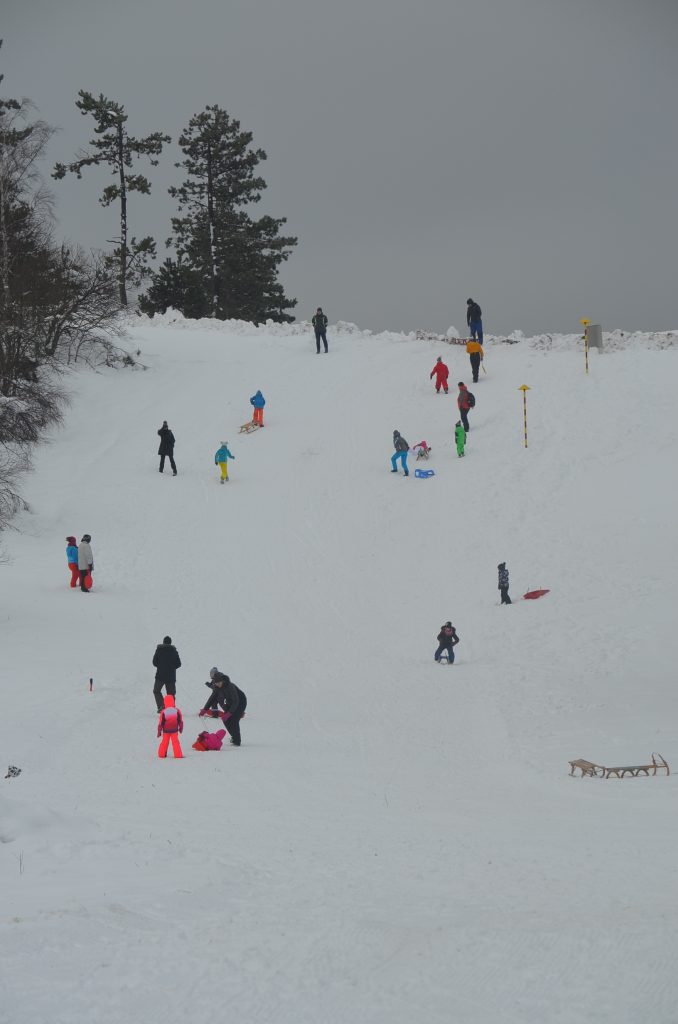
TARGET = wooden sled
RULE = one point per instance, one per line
(634, 770)
(247, 428)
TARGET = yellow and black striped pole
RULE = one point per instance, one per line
(585, 323)
(524, 388)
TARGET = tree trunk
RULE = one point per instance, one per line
(212, 232)
(123, 217)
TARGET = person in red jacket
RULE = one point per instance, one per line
(170, 724)
(442, 373)
(465, 401)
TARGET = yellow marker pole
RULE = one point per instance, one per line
(524, 388)
(585, 323)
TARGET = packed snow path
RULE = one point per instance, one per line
(395, 841)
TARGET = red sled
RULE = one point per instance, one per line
(88, 580)
(532, 595)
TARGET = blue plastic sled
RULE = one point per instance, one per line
(424, 473)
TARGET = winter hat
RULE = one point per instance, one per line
(461, 384)
(86, 537)
(169, 701)
(71, 540)
(468, 301)
(224, 444)
(458, 423)
(501, 565)
(449, 624)
(213, 672)
(167, 639)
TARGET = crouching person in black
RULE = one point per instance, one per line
(231, 699)
(447, 640)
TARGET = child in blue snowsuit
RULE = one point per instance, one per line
(221, 458)
(258, 401)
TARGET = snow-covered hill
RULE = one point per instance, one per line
(395, 841)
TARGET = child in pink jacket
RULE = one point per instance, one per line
(171, 723)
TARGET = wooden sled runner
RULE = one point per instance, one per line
(247, 428)
(634, 770)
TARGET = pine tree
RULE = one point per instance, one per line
(237, 258)
(115, 148)
(176, 286)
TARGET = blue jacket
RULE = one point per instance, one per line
(222, 455)
(72, 553)
(258, 400)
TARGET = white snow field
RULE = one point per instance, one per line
(396, 841)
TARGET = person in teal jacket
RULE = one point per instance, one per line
(221, 458)
(72, 559)
(258, 401)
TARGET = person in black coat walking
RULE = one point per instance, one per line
(166, 449)
(447, 641)
(230, 698)
(503, 584)
(166, 660)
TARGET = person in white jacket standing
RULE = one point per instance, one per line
(85, 562)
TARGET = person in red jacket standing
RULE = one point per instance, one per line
(170, 724)
(442, 373)
(465, 401)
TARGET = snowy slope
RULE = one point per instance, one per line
(395, 841)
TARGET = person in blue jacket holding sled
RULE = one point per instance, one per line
(221, 458)
(258, 401)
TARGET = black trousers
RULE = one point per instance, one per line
(233, 723)
(464, 419)
(170, 688)
(318, 335)
(475, 365)
(170, 456)
(448, 648)
(505, 599)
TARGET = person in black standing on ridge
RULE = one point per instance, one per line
(320, 327)
(503, 584)
(230, 698)
(166, 660)
(166, 449)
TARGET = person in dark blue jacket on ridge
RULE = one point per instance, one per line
(258, 401)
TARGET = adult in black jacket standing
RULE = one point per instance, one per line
(166, 660)
(319, 322)
(231, 699)
(166, 449)
(474, 319)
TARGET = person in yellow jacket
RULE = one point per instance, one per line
(475, 351)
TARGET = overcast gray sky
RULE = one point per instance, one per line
(522, 152)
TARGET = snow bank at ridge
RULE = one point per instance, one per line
(612, 340)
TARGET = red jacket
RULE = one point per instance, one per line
(462, 398)
(170, 721)
(441, 371)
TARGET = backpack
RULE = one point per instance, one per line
(471, 399)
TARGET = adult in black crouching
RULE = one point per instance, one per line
(447, 641)
(230, 698)
(166, 449)
(166, 660)
(503, 584)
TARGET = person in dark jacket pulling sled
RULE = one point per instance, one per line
(166, 449)
(465, 401)
(230, 698)
(474, 320)
(166, 660)
(320, 327)
(503, 584)
(447, 641)
(401, 449)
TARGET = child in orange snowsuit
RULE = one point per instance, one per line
(170, 724)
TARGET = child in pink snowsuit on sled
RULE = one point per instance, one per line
(171, 723)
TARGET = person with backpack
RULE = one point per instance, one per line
(447, 641)
(401, 449)
(503, 583)
(170, 724)
(465, 401)
(230, 698)
(320, 327)
(166, 449)
(166, 661)
(441, 372)
(72, 559)
(258, 401)
(459, 438)
(474, 315)
(476, 355)
(221, 458)
(85, 563)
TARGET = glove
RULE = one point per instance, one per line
(158, 733)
